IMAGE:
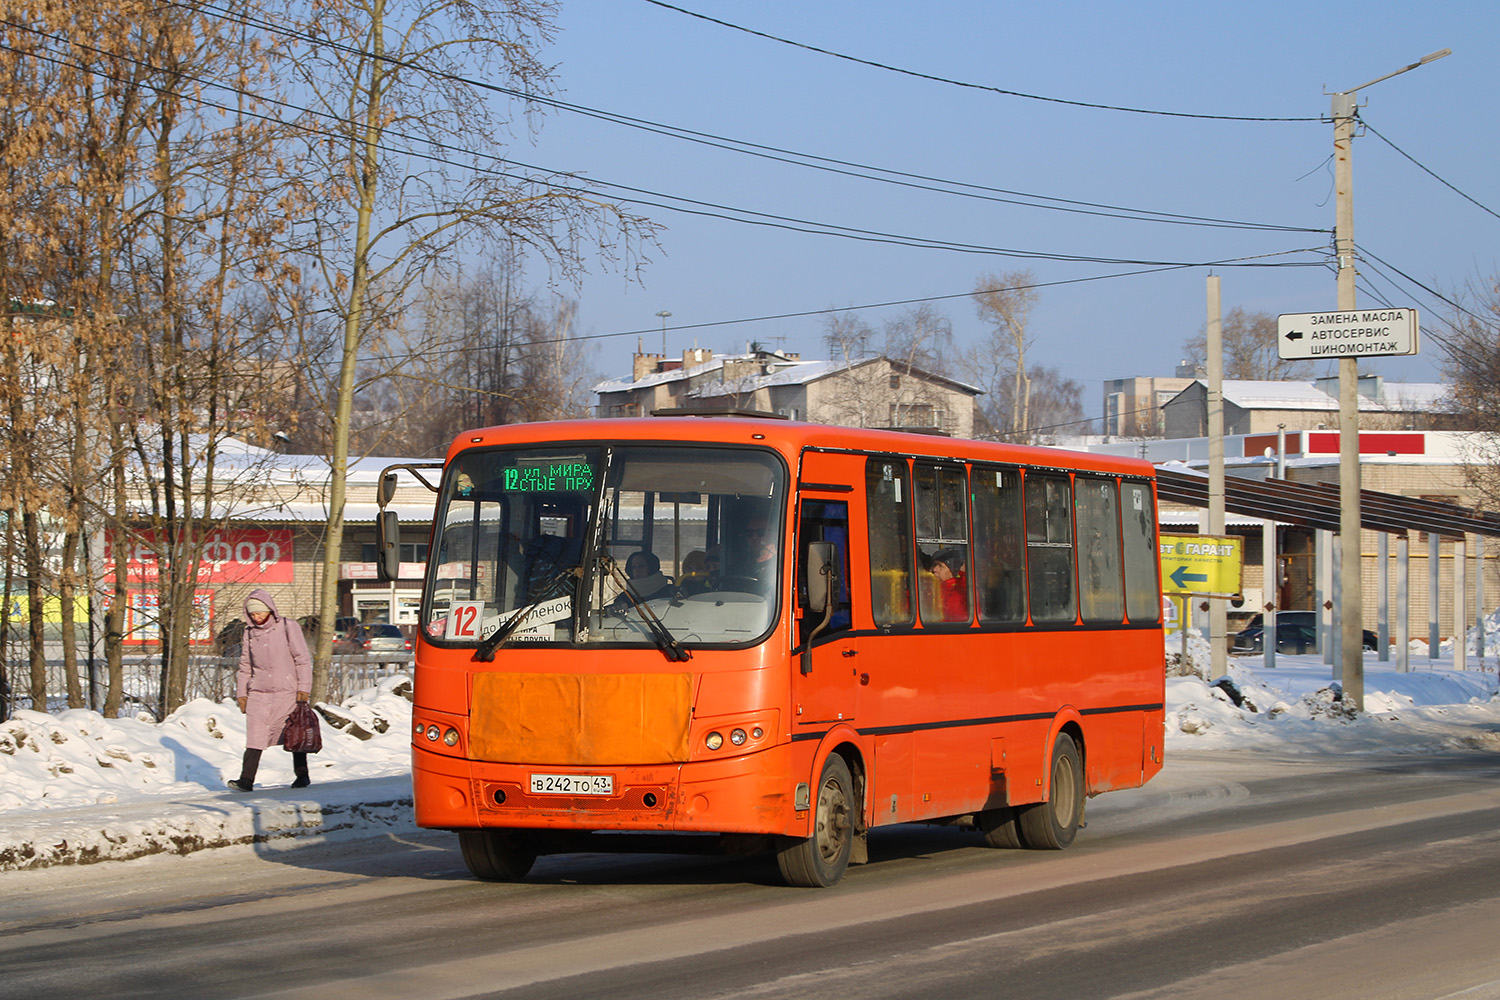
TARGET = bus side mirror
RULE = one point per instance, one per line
(819, 575)
(820, 593)
(387, 545)
(385, 491)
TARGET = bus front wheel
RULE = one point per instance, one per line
(1052, 825)
(496, 855)
(819, 861)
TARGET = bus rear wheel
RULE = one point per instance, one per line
(819, 861)
(1000, 827)
(496, 855)
(1052, 825)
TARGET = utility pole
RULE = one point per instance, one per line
(1351, 605)
(1218, 631)
(1351, 593)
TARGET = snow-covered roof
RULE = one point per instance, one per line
(797, 373)
(684, 372)
(1256, 394)
(784, 371)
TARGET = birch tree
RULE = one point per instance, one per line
(412, 150)
(1004, 302)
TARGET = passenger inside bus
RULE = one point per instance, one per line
(949, 566)
(643, 570)
(694, 576)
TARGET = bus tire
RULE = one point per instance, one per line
(819, 861)
(1052, 825)
(999, 827)
(496, 855)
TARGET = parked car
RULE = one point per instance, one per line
(227, 642)
(374, 637)
(1296, 632)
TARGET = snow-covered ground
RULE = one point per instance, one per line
(76, 787)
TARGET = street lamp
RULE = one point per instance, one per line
(665, 314)
(1351, 604)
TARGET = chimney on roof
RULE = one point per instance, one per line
(646, 364)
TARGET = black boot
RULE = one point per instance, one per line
(246, 781)
(299, 767)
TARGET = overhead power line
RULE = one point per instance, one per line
(644, 197)
(1425, 170)
(832, 310)
(960, 83)
(811, 161)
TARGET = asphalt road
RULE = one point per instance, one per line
(1234, 875)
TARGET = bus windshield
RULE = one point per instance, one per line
(599, 545)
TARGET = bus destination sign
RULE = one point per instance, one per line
(551, 477)
(1360, 333)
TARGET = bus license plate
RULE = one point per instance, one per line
(572, 784)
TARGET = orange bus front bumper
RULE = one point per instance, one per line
(752, 793)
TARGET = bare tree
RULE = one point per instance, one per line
(411, 152)
(1250, 350)
(1471, 366)
(1056, 407)
(483, 353)
(895, 387)
(1005, 301)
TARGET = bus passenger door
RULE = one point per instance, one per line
(825, 666)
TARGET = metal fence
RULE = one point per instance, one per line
(211, 677)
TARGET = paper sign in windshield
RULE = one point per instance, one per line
(538, 625)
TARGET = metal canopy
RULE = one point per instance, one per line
(1316, 505)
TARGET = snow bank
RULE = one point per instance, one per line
(77, 787)
(78, 757)
(1296, 707)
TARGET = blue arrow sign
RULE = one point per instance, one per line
(1181, 577)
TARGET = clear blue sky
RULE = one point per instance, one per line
(1258, 60)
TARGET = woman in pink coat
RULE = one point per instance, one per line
(275, 674)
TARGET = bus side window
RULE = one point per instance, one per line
(888, 507)
(825, 521)
(1101, 588)
(1049, 548)
(999, 545)
(1142, 565)
(940, 496)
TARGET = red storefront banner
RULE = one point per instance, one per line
(249, 555)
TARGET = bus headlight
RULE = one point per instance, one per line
(714, 740)
(450, 737)
(737, 737)
(432, 733)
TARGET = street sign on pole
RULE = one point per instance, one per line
(1353, 333)
(1206, 565)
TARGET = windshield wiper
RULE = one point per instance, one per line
(485, 651)
(660, 634)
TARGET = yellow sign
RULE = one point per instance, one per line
(1201, 564)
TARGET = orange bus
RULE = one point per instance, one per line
(782, 634)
